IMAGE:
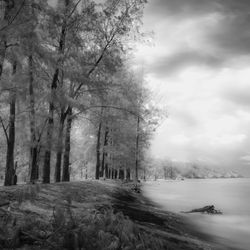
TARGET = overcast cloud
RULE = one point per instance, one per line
(200, 67)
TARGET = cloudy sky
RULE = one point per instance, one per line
(199, 67)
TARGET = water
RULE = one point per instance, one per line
(231, 196)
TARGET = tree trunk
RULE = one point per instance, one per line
(3, 48)
(9, 5)
(59, 147)
(34, 170)
(165, 173)
(144, 173)
(50, 127)
(137, 149)
(128, 174)
(98, 146)
(10, 171)
(66, 157)
(102, 173)
(33, 140)
(121, 174)
(47, 156)
(9, 174)
(104, 154)
(106, 173)
(86, 173)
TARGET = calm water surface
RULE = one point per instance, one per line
(231, 196)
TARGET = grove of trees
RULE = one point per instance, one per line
(70, 103)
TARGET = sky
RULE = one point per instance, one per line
(198, 66)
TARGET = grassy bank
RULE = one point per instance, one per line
(88, 215)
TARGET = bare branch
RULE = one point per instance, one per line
(72, 12)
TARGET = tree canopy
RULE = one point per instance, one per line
(70, 100)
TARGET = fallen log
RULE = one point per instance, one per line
(207, 209)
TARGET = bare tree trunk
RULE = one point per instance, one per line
(10, 171)
(137, 149)
(34, 146)
(98, 146)
(66, 157)
(59, 147)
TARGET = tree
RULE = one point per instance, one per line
(58, 66)
(9, 59)
(6, 9)
(9, 174)
(70, 61)
(112, 29)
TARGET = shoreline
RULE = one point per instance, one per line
(40, 201)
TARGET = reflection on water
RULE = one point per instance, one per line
(231, 196)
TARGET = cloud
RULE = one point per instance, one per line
(234, 89)
(210, 33)
(200, 64)
(239, 97)
(245, 160)
(182, 8)
(205, 121)
(170, 64)
(231, 34)
(186, 118)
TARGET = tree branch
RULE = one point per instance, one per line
(4, 129)
(72, 12)
(13, 19)
(41, 132)
(111, 107)
(113, 34)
